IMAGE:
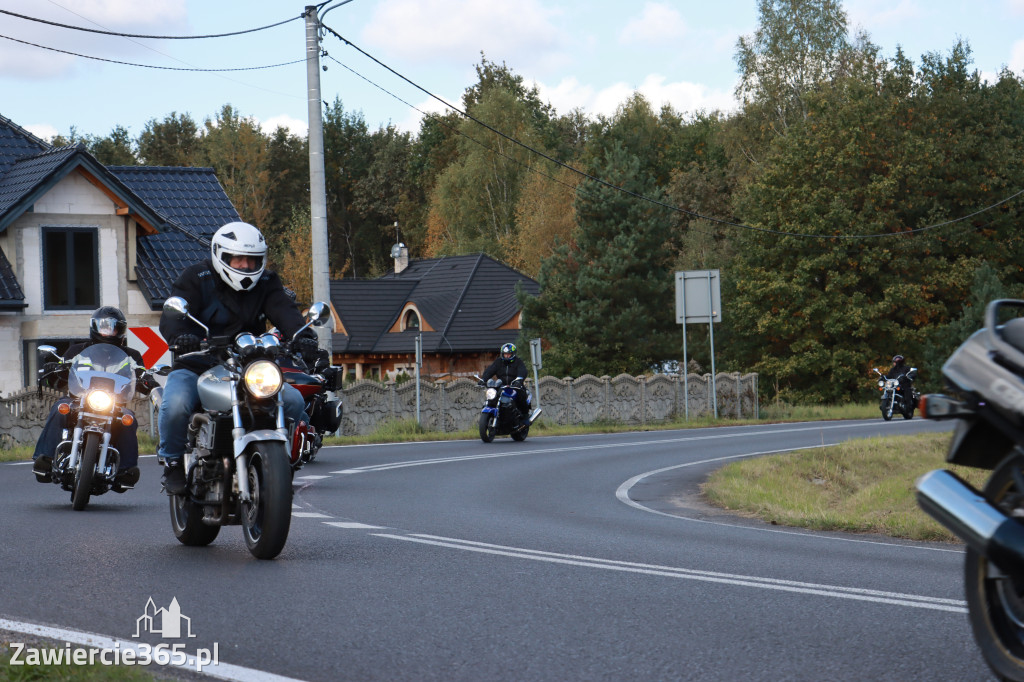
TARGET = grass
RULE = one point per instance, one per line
(860, 486)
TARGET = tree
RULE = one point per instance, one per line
(238, 152)
(545, 217)
(886, 153)
(175, 141)
(114, 150)
(473, 204)
(796, 48)
(605, 304)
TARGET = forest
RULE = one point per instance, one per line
(858, 205)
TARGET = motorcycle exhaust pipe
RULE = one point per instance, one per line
(951, 501)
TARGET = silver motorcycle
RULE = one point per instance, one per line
(101, 382)
(986, 380)
(236, 460)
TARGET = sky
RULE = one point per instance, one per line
(581, 54)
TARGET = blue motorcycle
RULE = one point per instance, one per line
(499, 415)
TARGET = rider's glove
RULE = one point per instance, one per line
(307, 348)
(186, 343)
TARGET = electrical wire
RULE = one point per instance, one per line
(152, 66)
(657, 202)
(139, 35)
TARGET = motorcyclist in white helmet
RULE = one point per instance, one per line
(231, 292)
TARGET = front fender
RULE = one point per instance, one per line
(258, 435)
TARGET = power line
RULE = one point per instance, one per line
(636, 195)
(152, 66)
(139, 35)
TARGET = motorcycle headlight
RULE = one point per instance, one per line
(99, 401)
(491, 394)
(881, 383)
(263, 379)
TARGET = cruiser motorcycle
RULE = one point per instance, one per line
(985, 376)
(236, 461)
(892, 399)
(499, 415)
(102, 380)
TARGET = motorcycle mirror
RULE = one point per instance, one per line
(176, 306)
(161, 370)
(319, 313)
(50, 350)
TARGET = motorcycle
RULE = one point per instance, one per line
(324, 410)
(499, 415)
(237, 469)
(893, 399)
(102, 380)
(986, 378)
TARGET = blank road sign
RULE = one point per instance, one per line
(698, 297)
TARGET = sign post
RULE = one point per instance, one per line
(699, 300)
(419, 363)
(536, 362)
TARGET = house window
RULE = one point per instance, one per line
(411, 321)
(71, 273)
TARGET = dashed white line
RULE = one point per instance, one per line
(352, 525)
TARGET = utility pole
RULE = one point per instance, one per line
(317, 179)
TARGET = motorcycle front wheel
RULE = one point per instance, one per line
(86, 468)
(995, 602)
(887, 411)
(486, 430)
(267, 516)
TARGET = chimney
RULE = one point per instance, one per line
(400, 252)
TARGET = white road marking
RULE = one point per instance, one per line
(309, 515)
(223, 671)
(310, 478)
(836, 591)
(622, 493)
(352, 525)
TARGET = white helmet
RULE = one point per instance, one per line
(238, 239)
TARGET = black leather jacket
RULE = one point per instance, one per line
(228, 312)
(506, 371)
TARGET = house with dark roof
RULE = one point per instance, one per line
(464, 307)
(76, 235)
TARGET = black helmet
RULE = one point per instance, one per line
(897, 359)
(508, 352)
(108, 325)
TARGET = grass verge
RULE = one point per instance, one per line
(860, 486)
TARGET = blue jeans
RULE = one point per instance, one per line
(124, 438)
(181, 398)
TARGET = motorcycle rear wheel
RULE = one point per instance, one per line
(266, 518)
(995, 602)
(521, 434)
(187, 522)
(486, 430)
(86, 468)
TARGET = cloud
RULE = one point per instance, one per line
(294, 125)
(658, 24)
(682, 96)
(44, 131)
(456, 31)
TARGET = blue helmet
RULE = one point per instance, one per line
(508, 352)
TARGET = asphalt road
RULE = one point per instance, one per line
(561, 558)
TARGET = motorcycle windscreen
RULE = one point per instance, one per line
(106, 362)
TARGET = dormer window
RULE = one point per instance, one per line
(410, 321)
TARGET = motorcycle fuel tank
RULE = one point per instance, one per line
(215, 389)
